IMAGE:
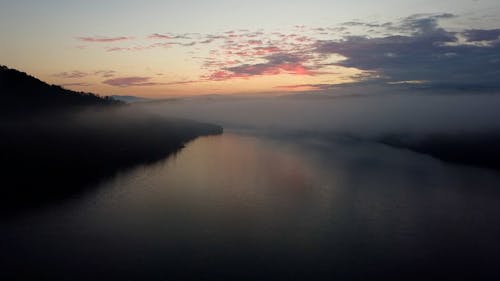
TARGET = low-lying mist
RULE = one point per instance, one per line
(459, 127)
(364, 116)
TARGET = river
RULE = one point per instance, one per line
(243, 207)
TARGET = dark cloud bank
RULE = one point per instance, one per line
(415, 48)
(427, 53)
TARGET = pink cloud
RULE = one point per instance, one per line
(281, 63)
(223, 75)
(246, 71)
(266, 50)
(254, 42)
(297, 69)
(239, 53)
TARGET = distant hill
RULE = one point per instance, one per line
(477, 149)
(22, 92)
(55, 142)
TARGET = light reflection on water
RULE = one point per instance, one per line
(244, 207)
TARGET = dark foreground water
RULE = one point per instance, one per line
(236, 207)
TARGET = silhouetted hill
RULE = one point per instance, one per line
(22, 92)
(477, 149)
(55, 142)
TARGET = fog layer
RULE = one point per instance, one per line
(410, 113)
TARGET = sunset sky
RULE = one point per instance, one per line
(168, 48)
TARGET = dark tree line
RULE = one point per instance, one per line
(55, 142)
(25, 94)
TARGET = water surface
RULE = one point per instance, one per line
(240, 207)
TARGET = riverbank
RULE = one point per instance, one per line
(45, 158)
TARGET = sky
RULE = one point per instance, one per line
(159, 49)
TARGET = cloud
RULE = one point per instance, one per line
(187, 44)
(105, 73)
(182, 82)
(160, 36)
(266, 50)
(244, 54)
(137, 81)
(75, 74)
(124, 49)
(101, 39)
(422, 23)
(254, 42)
(206, 41)
(72, 74)
(168, 36)
(426, 52)
(300, 87)
(138, 48)
(476, 35)
(76, 85)
(130, 81)
(357, 23)
(414, 48)
(222, 75)
(275, 64)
